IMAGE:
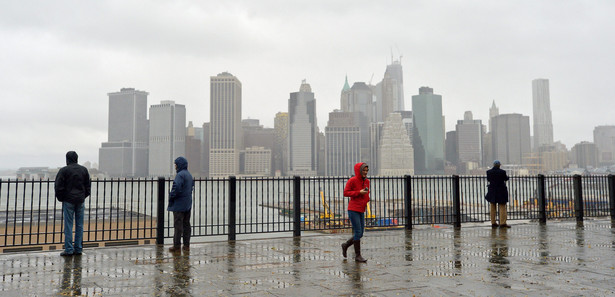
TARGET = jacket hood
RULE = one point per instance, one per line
(71, 157)
(181, 163)
(358, 168)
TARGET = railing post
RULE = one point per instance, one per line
(160, 223)
(456, 202)
(232, 206)
(542, 200)
(578, 197)
(408, 201)
(296, 206)
(612, 195)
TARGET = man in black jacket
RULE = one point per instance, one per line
(497, 194)
(72, 186)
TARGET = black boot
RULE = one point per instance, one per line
(346, 245)
(357, 252)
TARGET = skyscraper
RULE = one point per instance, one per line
(396, 155)
(167, 137)
(125, 154)
(511, 138)
(280, 149)
(543, 126)
(389, 92)
(343, 143)
(604, 138)
(428, 134)
(225, 126)
(302, 132)
(469, 142)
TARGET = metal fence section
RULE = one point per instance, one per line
(118, 209)
(135, 209)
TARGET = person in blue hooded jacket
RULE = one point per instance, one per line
(180, 203)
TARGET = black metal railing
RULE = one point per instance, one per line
(135, 209)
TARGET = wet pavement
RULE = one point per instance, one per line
(561, 258)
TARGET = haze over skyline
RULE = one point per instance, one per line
(59, 60)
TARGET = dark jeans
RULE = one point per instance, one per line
(73, 213)
(357, 219)
(181, 223)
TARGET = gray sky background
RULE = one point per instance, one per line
(59, 59)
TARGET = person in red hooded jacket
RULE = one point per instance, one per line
(357, 188)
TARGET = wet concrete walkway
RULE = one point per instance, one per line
(558, 259)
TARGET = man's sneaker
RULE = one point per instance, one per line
(505, 226)
(65, 254)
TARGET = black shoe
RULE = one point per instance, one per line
(494, 225)
(78, 253)
(175, 249)
(65, 254)
(504, 226)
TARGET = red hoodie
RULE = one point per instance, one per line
(354, 185)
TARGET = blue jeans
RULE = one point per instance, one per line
(73, 212)
(357, 219)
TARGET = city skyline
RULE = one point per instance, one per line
(58, 67)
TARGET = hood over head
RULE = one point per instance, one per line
(181, 163)
(71, 157)
(358, 168)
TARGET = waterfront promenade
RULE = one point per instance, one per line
(561, 258)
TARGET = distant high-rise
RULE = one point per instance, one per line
(280, 149)
(167, 137)
(390, 91)
(396, 155)
(256, 136)
(604, 138)
(225, 126)
(302, 132)
(543, 126)
(510, 138)
(493, 112)
(194, 151)
(469, 142)
(585, 154)
(343, 143)
(428, 137)
(125, 154)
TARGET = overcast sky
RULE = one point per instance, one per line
(59, 59)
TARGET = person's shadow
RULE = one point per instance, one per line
(181, 275)
(71, 276)
(499, 254)
(353, 270)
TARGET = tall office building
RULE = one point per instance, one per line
(585, 154)
(604, 138)
(255, 135)
(194, 151)
(511, 138)
(345, 103)
(469, 142)
(393, 89)
(428, 137)
(167, 137)
(543, 126)
(396, 155)
(343, 143)
(302, 132)
(375, 134)
(125, 154)
(225, 139)
(205, 150)
(280, 149)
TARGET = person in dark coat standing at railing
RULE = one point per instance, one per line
(497, 194)
(180, 203)
(72, 186)
(357, 188)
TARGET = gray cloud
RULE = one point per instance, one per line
(59, 59)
